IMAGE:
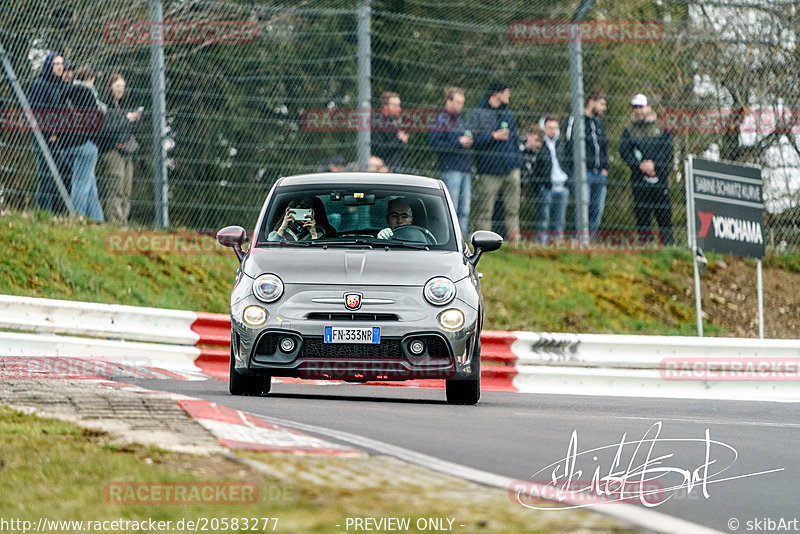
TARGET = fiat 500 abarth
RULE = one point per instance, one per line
(357, 277)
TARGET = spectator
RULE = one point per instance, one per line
(554, 194)
(117, 146)
(389, 142)
(596, 156)
(69, 73)
(376, 164)
(78, 146)
(46, 95)
(333, 164)
(497, 157)
(647, 149)
(451, 140)
(536, 166)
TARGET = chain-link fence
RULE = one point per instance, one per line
(240, 81)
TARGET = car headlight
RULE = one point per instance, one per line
(254, 315)
(439, 291)
(451, 319)
(268, 288)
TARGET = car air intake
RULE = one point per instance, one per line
(321, 316)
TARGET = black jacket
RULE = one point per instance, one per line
(536, 167)
(45, 95)
(117, 129)
(87, 119)
(643, 140)
(596, 143)
(492, 156)
(388, 147)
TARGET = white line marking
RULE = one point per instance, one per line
(676, 419)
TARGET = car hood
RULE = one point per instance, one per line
(354, 266)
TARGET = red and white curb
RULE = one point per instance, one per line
(238, 430)
(233, 429)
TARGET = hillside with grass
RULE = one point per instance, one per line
(643, 293)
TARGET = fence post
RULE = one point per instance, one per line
(38, 138)
(364, 83)
(578, 133)
(158, 85)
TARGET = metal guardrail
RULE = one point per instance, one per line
(550, 363)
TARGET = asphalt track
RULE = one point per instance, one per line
(527, 437)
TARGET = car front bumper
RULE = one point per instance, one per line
(403, 317)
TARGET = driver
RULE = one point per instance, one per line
(398, 213)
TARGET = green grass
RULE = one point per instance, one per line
(68, 259)
(577, 292)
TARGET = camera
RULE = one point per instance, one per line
(301, 214)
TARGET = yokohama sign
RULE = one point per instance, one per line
(728, 207)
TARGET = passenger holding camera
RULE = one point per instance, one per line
(302, 220)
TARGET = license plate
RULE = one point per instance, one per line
(337, 334)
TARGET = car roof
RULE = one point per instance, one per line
(359, 178)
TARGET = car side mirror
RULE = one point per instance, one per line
(233, 236)
(483, 241)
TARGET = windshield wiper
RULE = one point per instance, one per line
(405, 244)
(348, 243)
(293, 243)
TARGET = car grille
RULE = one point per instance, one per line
(321, 316)
(316, 348)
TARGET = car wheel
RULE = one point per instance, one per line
(467, 390)
(251, 386)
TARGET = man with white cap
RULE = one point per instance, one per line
(647, 149)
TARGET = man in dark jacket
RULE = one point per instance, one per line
(389, 142)
(497, 157)
(45, 98)
(535, 174)
(596, 155)
(647, 150)
(450, 140)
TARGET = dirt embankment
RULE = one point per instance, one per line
(730, 298)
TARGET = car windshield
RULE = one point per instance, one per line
(359, 216)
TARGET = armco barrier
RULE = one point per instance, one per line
(549, 363)
(172, 339)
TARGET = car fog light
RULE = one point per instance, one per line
(287, 344)
(254, 315)
(416, 347)
(451, 319)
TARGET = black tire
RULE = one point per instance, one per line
(467, 391)
(250, 386)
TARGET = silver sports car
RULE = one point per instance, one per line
(357, 277)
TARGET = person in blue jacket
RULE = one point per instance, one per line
(498, 159)
(450, 140)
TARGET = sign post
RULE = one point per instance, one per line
(725, 214)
